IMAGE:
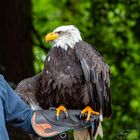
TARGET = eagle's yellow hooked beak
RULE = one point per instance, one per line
(51, 36)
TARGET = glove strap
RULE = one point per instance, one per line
(62, 136)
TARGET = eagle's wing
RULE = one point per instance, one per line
(27, 90)
(96, 74)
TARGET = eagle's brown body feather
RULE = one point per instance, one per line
(63, 81)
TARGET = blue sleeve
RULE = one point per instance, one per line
(16, 112)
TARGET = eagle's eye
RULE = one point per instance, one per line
(59, 32)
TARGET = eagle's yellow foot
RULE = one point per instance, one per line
(89, 111)
(59, 109)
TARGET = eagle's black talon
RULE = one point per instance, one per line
(57, 118)
(66, 114)
(85, 115)
(81, 116)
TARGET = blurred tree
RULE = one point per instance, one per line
(16, 56)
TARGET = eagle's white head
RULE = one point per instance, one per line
(64, 37)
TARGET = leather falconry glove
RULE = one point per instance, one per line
(45, 123)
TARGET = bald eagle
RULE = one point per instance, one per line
(75, 76)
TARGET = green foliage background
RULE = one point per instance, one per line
(113, 27)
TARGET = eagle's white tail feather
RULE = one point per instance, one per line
(99, 131)
(81, 135)
(101, 115)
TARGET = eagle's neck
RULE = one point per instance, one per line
(65, 42)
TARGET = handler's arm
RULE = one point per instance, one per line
(16, 112)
